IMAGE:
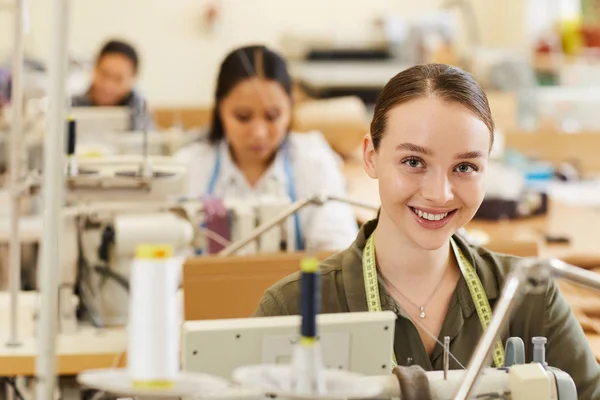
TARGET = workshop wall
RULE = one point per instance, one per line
(181, 56)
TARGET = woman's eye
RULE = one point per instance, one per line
(413, 163)
(466, 168)
(242, 118)
(272, 117)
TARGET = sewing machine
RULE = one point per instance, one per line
(110, 207)
(116, 203)
(515, 189)
(359, 343)
(97, 120)
(120, 201)
(104, 131)
(133, 142)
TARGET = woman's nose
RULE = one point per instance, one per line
(437, 189)
(259, 129)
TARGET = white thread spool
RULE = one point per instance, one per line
(154, 318)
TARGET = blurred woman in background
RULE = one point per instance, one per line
(113, 81)
(250, 150)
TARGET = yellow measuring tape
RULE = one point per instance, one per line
(484, 311)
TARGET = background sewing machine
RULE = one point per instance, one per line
(107, 241)
(100, 131)
(108, 194)
(115, 207)
(515, 191)
(105, 131)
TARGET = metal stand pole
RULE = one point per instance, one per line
(526, 277)
(580, 276)
(16, 133)
(510, 297)
(145, 170)
(54, 193)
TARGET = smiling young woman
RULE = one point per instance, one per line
(428, 148)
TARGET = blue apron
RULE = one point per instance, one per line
(287, 167)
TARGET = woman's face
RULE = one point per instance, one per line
(256, 116)
(431, 167)
(113, 79)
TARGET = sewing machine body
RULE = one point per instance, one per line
(517, 382)
(108, 235)
(119, 178)
(106, 193)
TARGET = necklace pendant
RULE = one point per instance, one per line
(422, 314)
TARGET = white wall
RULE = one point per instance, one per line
(180, 60)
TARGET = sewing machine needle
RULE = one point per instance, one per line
(446, 355)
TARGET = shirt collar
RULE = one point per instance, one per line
(354, 285)
(231, 174)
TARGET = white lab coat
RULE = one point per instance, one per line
(316, 169)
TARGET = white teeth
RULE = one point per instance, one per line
(429, 216)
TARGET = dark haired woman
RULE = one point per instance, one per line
(429, 144)
(113, 81)
(250, 151)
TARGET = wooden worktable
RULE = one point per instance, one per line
(87, 348)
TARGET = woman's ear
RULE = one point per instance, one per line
(369, 157)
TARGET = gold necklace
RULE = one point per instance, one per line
(421, 308)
